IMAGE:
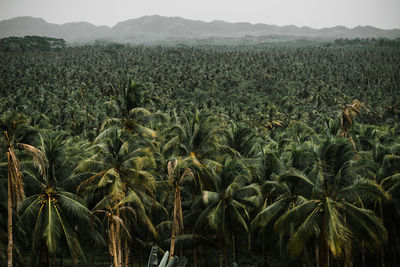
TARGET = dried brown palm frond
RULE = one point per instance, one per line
(171, 166)
(39, 158)
(87, 182)
(15, 177)
(347, 119)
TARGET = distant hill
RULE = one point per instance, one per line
(153, 28)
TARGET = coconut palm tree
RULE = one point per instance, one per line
(330, 213)
(197, 134)
(198, 138)
(129, 112)
(12, 125)
(177, 171)
(121, 178)
(52, 214)
(228, 202)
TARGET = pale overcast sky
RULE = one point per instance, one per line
(314, 13)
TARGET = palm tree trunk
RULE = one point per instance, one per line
(233, 247)
(323, 252)
(172, 249)
(54, 259)
(62, 257)
(195, 257)
(175, 220)
(119, 250)
(249, 243)
(265, 253)
(140, 257)
(220, 259)
(225, 256)
(9, 221)
(118, 239)
(363, 253)
(382, 257)
(126, 253)
(113, 245)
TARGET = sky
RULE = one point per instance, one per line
(383, 14)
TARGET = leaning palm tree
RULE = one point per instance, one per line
(11, 124)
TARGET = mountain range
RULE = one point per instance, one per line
(154, 28)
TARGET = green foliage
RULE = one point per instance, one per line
(247, 154)
(27, 43)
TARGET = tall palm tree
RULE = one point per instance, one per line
(121, 177)
(228, 202)
(177, 171)
(330, 213)
(51, 213)
(11, 124)
(198, 134)
(198, 138)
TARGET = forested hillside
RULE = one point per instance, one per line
(149, 29)
(270, 154)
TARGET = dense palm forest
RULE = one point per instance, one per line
(269, 154)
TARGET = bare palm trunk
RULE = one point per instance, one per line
(249, 243)
(117, 237)
(233, 247)
(363, 254)
(119, 250)
(140, 257)
(172, 249)
(323, 252)
(382, 257)
(176, 220)
(126, 253)
(9, 221)
(225, 256)
(113, 245)
(195, 257)
(62, 257)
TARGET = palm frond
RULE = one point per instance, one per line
(363, 189)
(294, 215)
(269, 214)
(366, 225)
(209, 196)
(308, 229)
(336, 232)
(53, 229)
(39, 158)
(73, 206)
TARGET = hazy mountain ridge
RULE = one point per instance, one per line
(149, 28)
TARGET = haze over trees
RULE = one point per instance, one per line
(264, 154)
(149, 29)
